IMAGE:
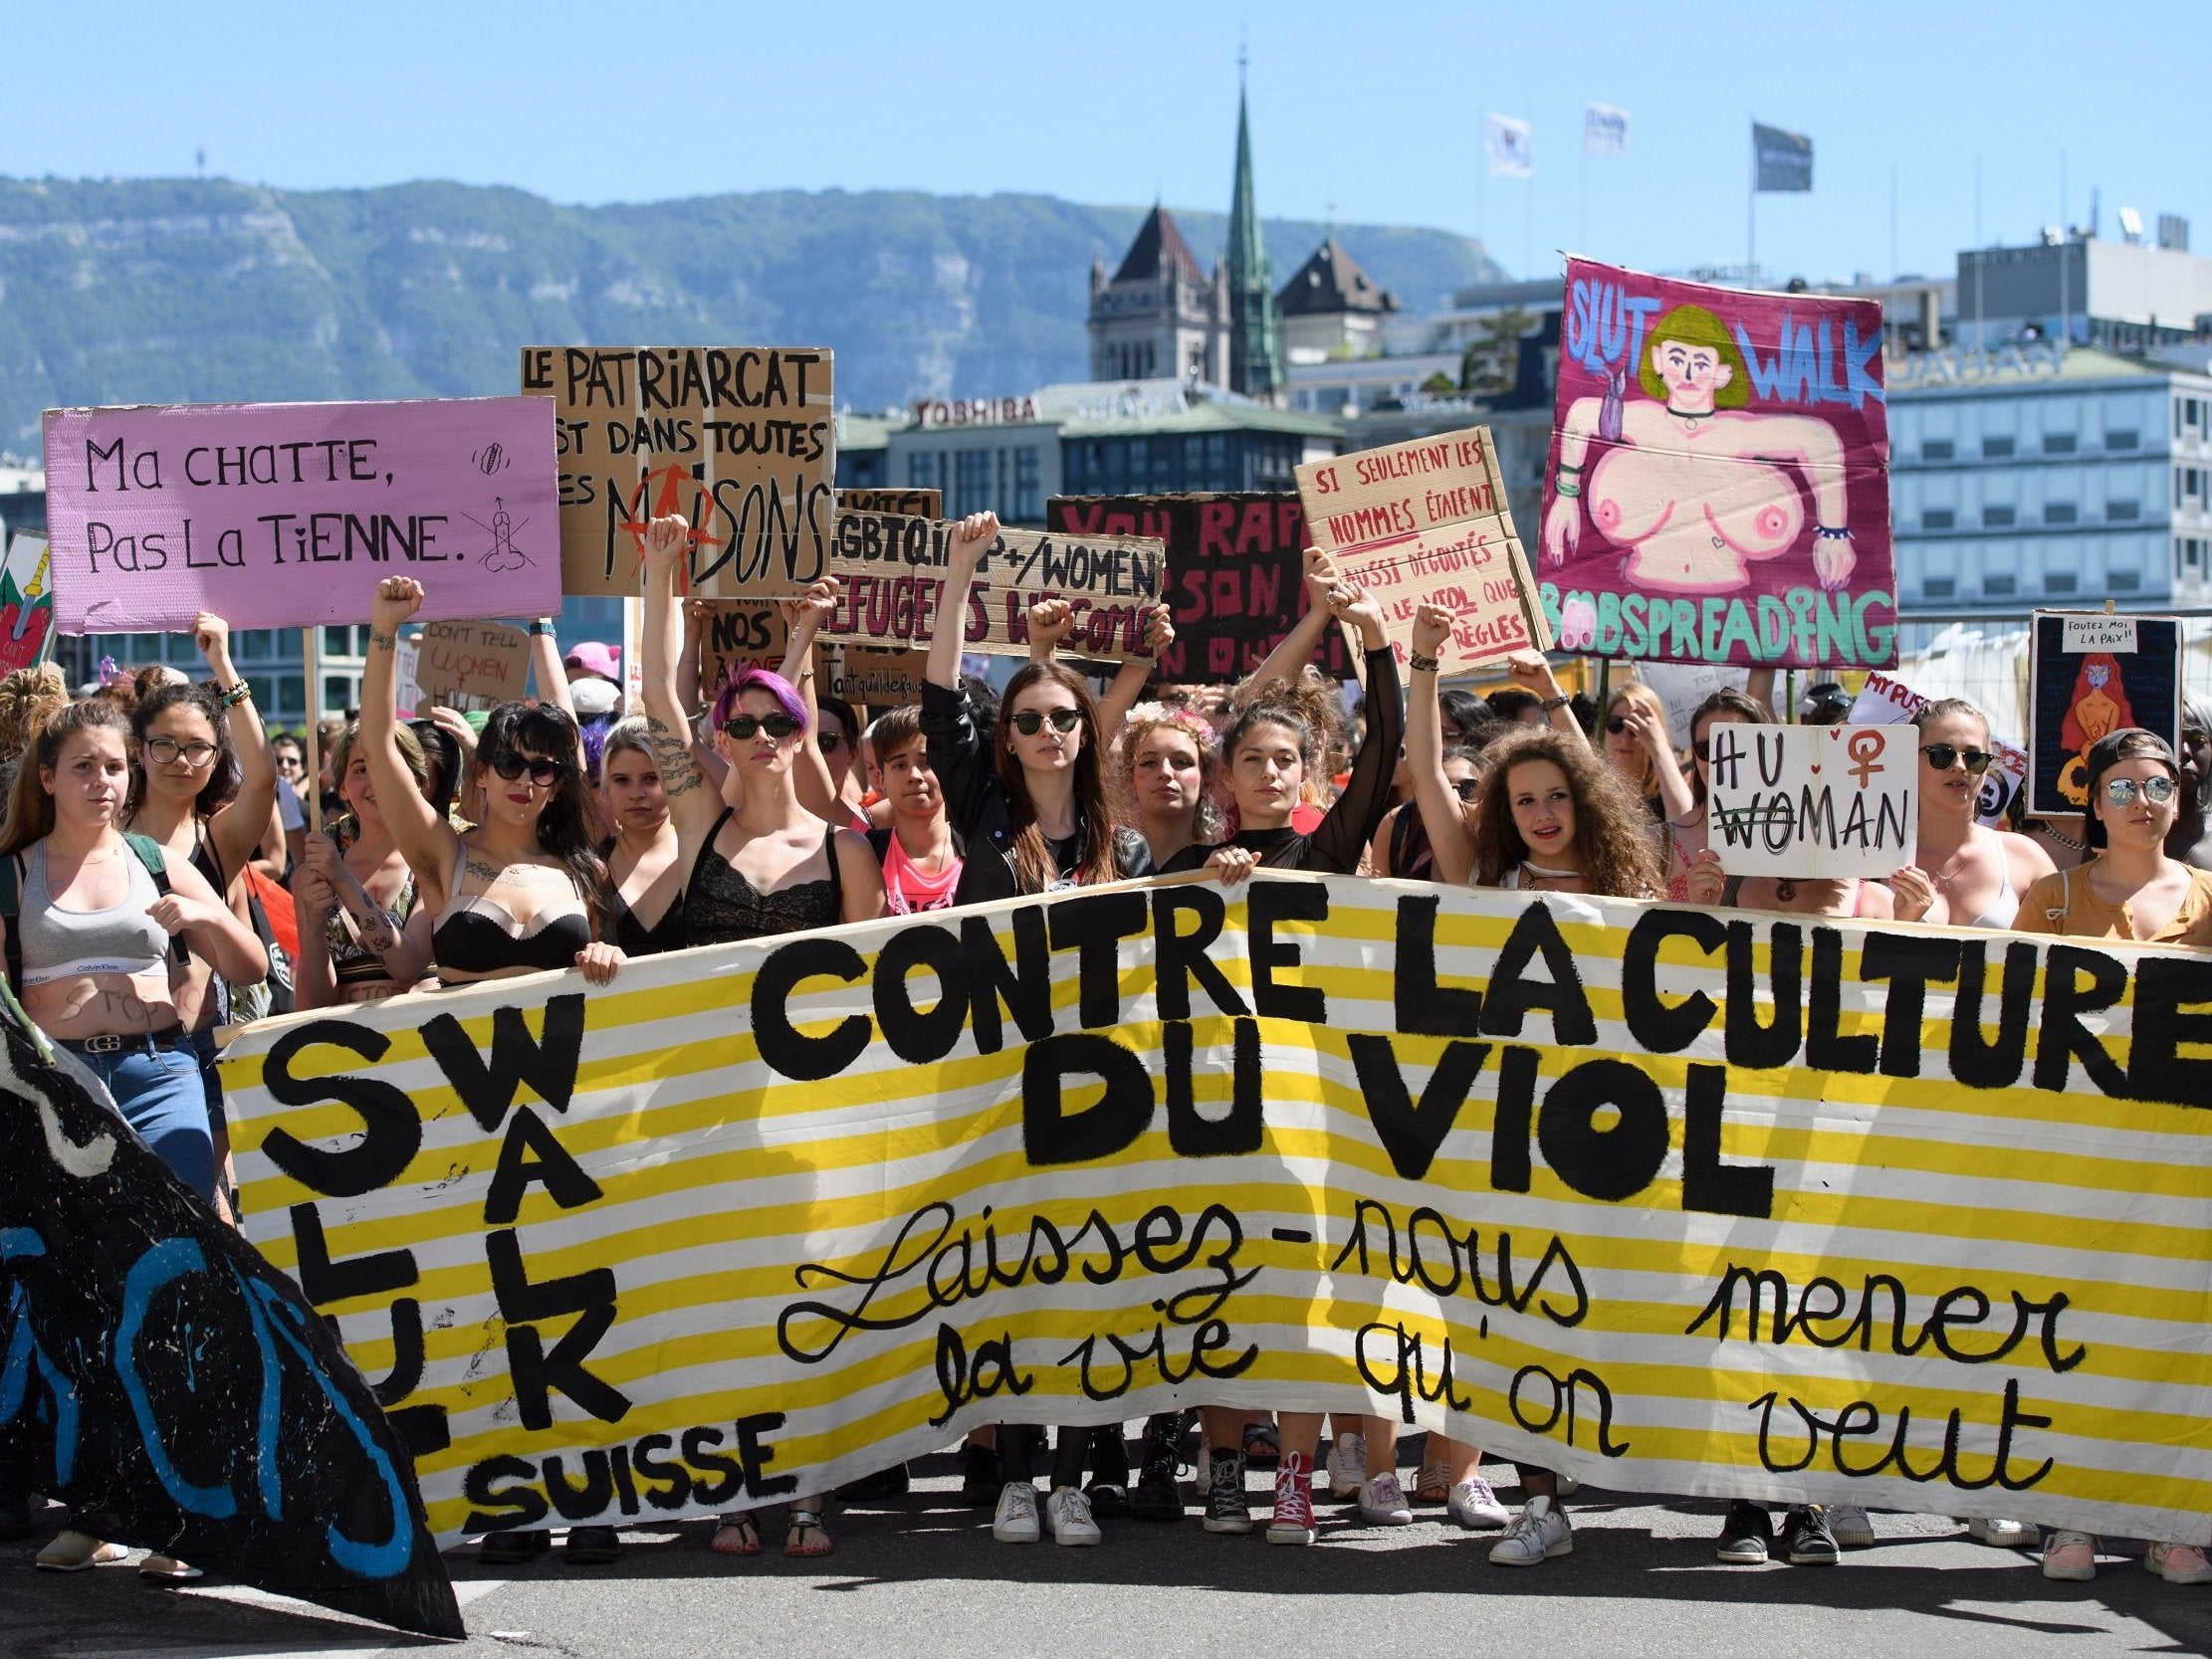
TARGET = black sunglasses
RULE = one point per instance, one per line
(1942, 757)
(1616, 724)
(1029, 722)
(741, 726)
(544, 770)
(828, 741)
(1464, 787)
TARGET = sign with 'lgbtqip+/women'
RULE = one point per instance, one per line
(1717, 488)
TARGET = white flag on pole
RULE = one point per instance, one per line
(1512, 155)
(1605, 130)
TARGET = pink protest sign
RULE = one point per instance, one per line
(288, 514)
(1718, 488)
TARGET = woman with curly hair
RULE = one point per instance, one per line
(1166, 769)
(28, 698)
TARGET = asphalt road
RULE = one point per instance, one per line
(921, 1575)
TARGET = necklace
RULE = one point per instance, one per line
(2050, 834)
(1693, 416)
(1536, 872)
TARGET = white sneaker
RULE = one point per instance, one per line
(1474, 1504)
(1383, 1502)
(1347, 1465)
(2005, 1535)
(1538, 1533)
(1850, 1525)
(1016, 1520)
(1067, 1516)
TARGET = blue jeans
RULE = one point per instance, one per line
(162, 1096)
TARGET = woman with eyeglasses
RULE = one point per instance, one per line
(1962, 873)
(205, 791)
(767, 865)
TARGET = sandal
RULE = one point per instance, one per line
(1262, 1449)
(737, 1534)
(796, 1541)
(1434, 1485)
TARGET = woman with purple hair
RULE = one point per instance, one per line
(764, 866)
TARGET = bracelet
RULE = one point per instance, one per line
(1824, 533)
(1552, 703)
(1420, 664)
(540, 627)
(1560, 487)
(1569, 467)
(243, 691)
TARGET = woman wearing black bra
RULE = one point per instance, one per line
(645, 878)
(767, 866)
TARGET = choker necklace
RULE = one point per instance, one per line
(1690, 414)
(1539, 873)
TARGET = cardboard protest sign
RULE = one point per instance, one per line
(471, 665)
(876, 678)
(893, 573)
(1682, 687)
(26, 603)
(917, 503)
(288, 514)
(761, 1218)
(2089, 672)
(1425, 522)
(1718, 488)
(740, 634)
(1886, 700)
(742, 440)
(406, 658)
(1814, 801)
(1236, 575)
(153, 1364)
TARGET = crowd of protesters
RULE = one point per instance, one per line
(161, 880)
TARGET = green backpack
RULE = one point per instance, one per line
(11, 878)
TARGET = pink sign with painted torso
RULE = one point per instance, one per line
(288, 514)
(1717, 488)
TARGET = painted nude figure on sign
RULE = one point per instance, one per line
(1692, 486)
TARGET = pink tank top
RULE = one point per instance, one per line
(911, 889)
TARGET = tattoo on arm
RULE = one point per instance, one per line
(679, 776)
(383, 642)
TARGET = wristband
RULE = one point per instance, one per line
(1560, 487)
(1551, 703)
(540, 627)
(243, 691)
(1420, 664)
(1837, 533)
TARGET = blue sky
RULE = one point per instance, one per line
(1372, 114)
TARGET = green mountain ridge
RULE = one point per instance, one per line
(184, 290)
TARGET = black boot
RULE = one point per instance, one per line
(1109, 1486)
(1157, 1496)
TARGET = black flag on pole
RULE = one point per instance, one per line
(1780, 161)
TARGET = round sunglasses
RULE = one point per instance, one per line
(544, 770)
(1029, 722)
(1944, 756)
(741, 726)
(2121, 791)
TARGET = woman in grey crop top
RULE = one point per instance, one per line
(93, 928)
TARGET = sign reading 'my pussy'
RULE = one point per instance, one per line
(288, 514)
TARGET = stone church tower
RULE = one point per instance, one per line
(1160, 316)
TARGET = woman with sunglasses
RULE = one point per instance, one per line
(2133, 889)
(1640, 747)
(524, 890)
(767, 865)
(205, 791)
(1962, 873)
(1029, 804)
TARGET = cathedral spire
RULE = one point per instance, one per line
(1255, 329)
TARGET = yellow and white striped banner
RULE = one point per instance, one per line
(1667, 1199)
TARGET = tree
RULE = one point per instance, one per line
(1493, 362)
